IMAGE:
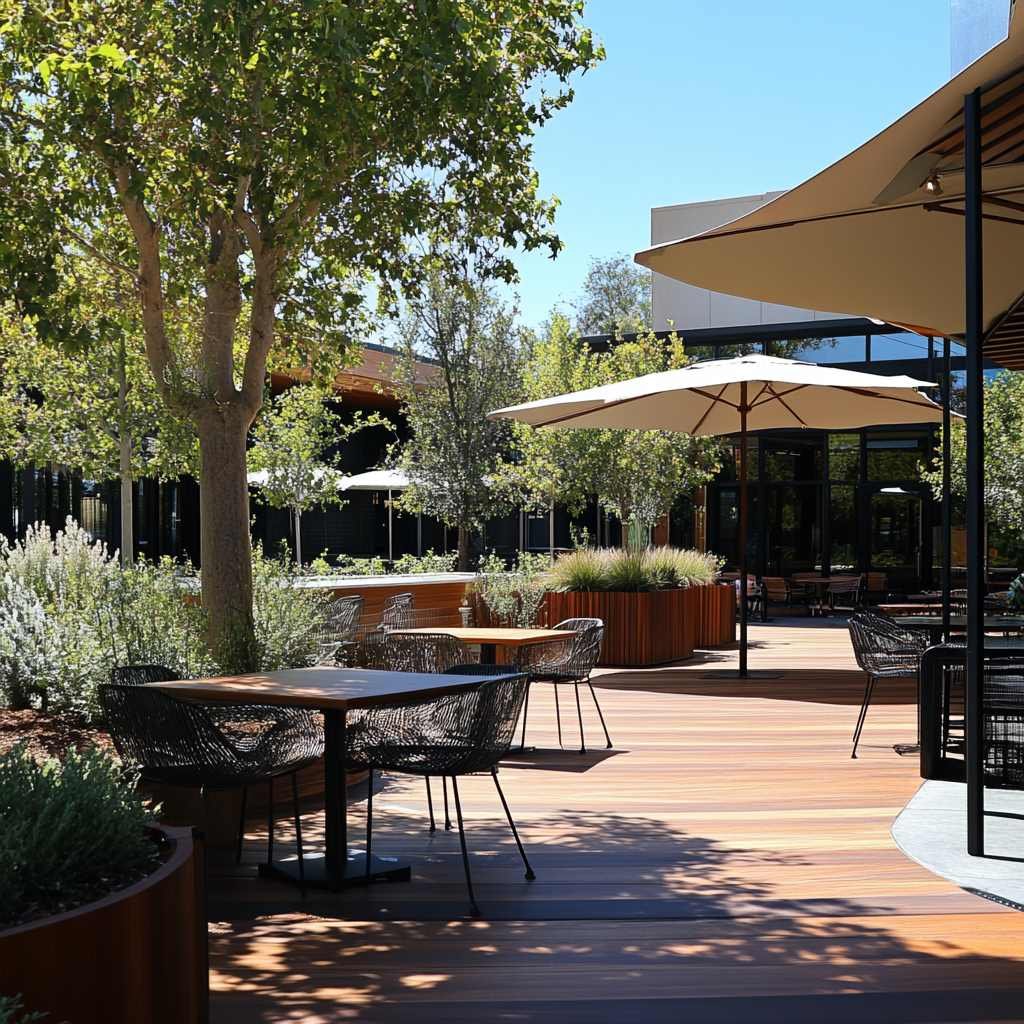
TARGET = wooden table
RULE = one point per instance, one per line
(334, 692)
(933, 623)
(491, 637)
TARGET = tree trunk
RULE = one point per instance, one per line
(464, 549)
(297, 515)
(127, 503)
(224, 542)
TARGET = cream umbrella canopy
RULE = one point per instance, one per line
(735, 396)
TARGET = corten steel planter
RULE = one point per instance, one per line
(651, 627)
(139, 954)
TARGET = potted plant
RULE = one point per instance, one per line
(102, 914)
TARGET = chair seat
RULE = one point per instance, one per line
(188, 775)
(422, 759)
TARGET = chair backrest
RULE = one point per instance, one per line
(879, 642)
(846, 585)
(481, 721)
(423, 652)
(876, 583)
(775, 588)
(156, 731)
(586, 644)
(341, 623)
(397, 612)
(958, 602)
(139, 675)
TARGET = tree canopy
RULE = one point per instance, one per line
(455, 453)
(615, 297)
(266, 159)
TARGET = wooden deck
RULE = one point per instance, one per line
(727, 862)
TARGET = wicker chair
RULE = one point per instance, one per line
(175, 742)
(458, 734)
(396, 613)
(884, 650)
(140, 675)
(566, 661)
(340, 630)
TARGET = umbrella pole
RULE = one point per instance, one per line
(743, 530)
(391, 552)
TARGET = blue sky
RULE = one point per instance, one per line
(699, 99)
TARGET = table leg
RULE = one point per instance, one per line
(488, 654)
(334, 869)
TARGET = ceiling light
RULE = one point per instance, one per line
(933, 185)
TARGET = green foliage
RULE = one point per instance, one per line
(1004, 454)
(454, 452)
(513, 596)
(70, 832)
(661, 568)
(287, 617)
(414, 565)
(616, 297)
(12, 1011)
(406, 565)
(637, 474)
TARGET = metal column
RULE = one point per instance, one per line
(947, 501)
(973, 328)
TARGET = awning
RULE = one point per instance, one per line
(880, 232)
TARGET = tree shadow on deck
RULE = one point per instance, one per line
(618, 899)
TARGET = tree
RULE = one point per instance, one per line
(554, 467)
(266, 158)
(616, 298)
(290, 448)
(1004, 454)
(636, 474)
(96, 410)
(455, 453)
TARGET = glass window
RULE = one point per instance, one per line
(897, 456)
(793, 460)
(793, 528)
(731, 458)
(824, 350)
(843, 525)
(898, 345)
(844, 457)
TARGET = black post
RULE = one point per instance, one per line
(743, 530)
(947, 500)
(973, 328)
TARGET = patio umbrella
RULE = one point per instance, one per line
(382, 480)
(735, 396)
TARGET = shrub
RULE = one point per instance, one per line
(70, 832)
(512, 597)
(589, 569)
(13, 1012)
(287, 618)
(429, 562)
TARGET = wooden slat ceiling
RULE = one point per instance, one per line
(1002, 143)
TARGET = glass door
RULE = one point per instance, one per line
(896, 537)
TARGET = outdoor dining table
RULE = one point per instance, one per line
(333, 692)
(492, 637)
(933, 623)
(821, 584)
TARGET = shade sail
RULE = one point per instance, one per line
(376, 480)
(867, 236)
(704, 399)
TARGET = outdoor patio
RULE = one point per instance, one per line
(727, 861)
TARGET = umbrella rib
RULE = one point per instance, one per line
(714, 400)
(775, 395)
(785, 405)
(868, 393)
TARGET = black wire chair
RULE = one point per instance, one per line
(141, 675)
(340, 630)
(396, 613)
(570, 660)
(462, 733)
(884, 650)
(178, 743)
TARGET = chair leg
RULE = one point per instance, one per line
(369, 820)
(298, 834)
(579, 712)
(868, 690)
(558, 715)
(465, 853)
(447, 818)
(241, 825)
(530, 876)
(600, 714)
(430, 804)
(270, 820)
(526, 708)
